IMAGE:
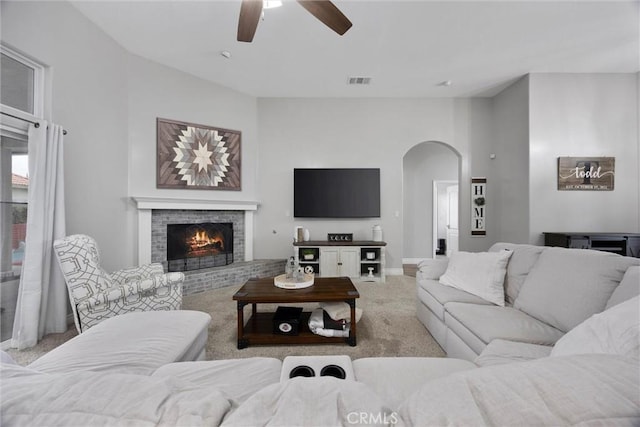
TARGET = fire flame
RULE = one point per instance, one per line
(201, 240)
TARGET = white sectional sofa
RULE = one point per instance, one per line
(547, 292)
(139, 369)
(592, 379)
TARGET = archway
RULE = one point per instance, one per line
(423, 166)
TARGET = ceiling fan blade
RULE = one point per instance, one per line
(328, 13)
(250, 12)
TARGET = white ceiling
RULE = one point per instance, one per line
(407, 47)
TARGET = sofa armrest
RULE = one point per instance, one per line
(127, 275)
(432, 268)
(143, 287)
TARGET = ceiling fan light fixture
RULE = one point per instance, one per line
(324, 10)
(271, 4)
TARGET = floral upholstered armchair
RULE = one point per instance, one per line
(96, 296)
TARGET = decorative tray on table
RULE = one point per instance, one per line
(283, 282)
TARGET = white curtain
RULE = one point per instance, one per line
(42, 296)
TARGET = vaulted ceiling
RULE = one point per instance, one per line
(408, 48)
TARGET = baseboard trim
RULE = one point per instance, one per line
(394, 272)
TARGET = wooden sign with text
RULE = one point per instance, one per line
(478, 206)
(586, 173)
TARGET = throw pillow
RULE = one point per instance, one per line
(340, 310)
(567, 286)
(520, 264)
(432, 269)
(614, 331)
(478, 273)
(628, 287)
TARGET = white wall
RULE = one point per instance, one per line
(108, 100)
(423, 164)
(89, 100)
(509, 176)
(296, 133)
(159, 91)
(583, 115)
(480, 130)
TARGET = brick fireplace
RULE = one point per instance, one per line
(155, 214)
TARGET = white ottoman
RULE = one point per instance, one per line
(134, 343)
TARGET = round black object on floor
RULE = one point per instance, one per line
(302, 371)
(333, 371)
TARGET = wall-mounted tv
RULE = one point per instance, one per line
(336, 193)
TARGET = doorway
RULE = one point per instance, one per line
(423, 164)
(445, 217)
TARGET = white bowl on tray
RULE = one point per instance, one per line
(283, 282)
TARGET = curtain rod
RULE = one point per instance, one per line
(36, 124)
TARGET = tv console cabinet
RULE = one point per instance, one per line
(362, 260)
(626, 244)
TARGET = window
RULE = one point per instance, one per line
(13, 224)
(22, 101)
(21, 89)
(17, 84)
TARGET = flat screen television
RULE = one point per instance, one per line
(336, 193)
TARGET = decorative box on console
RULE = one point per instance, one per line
(340, 237)
(286, 320)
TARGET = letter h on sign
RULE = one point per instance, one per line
(478, 208)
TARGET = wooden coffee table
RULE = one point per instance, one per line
(259, 327)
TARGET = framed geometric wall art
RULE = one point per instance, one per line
(192, 156)
(586, 173)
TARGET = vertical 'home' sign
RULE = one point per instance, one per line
(478, 206)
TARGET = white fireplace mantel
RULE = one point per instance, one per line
(147, 204)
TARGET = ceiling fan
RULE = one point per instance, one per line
(324, 10)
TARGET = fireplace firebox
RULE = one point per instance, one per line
(196, 246)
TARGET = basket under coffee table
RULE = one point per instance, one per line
(259, 328)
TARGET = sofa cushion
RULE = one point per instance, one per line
(106, 399)
(236, 378)
(322, 401)
(435, 295)
(566, 286)
(432, 268)
(478, 325)
(396, 378)
(628, 288)
(137, 343)
(581, 390)
(504, 351)
(481, 274)
(520, 264)
(614, 331)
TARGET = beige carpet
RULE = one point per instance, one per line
(389, 326)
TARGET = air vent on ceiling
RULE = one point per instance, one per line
(359, 80)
